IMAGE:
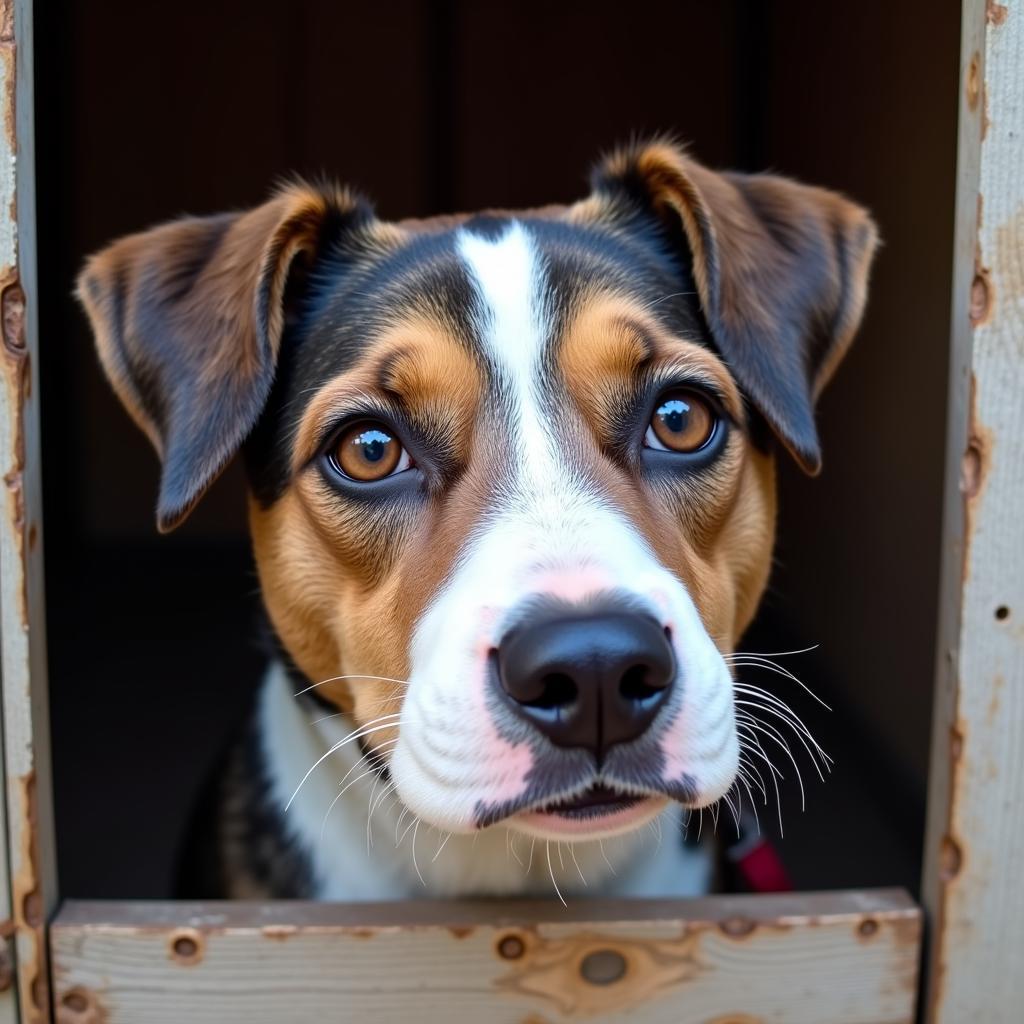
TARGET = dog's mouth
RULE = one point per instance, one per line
(598, 801)
(599, 811)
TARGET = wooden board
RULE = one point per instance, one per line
(803, 959)
(975, 835)
(29, 858)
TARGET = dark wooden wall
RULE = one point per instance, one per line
(146, 113)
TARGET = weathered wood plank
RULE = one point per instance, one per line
(975, 834)
(805, 959)
(28, 844)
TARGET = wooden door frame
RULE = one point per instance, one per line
(31, 883)
(977, 924)
(975, 833)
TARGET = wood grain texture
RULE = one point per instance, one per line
(29, 839)
(975, 836)
(803, 959)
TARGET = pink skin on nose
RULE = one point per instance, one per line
(573, 585)
(515, 760)
(673, 746)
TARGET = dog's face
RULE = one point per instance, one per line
(512, 479)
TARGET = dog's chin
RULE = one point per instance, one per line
(597, 813)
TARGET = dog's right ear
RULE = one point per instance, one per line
(188, 319)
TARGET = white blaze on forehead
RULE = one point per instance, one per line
(509, 276)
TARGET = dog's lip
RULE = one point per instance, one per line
(597, 801)
(590, 815)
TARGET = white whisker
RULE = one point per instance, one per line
(735, 813)
(760, 727)
(338, 679)
(783, 710)
(551, 872)
(764, 661)
(572, 850)
(753, 803)
(796, 732)
(415, 864)
(442, 846)
(351, 737)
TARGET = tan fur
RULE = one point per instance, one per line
(338, 612)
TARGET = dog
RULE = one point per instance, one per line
(512, 504)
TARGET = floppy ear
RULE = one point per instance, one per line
(781, 269)
(188, 320)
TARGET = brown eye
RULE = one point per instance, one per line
(683, 421)
(369, 451)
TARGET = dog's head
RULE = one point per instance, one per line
(512, 484)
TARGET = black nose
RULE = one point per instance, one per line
(589, 681)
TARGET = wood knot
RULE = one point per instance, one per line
(603, 967)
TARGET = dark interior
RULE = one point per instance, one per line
(145, 113)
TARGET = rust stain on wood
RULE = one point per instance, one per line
(17, 381)
(956, 742)
(28, 908)
(973, 83)
(981, 297)
(951, 858)
(996, 13)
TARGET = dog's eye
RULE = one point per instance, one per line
(369, 451)
(683, 421)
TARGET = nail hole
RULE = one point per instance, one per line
(603, 967)
(868, 927)
(186, 946)
(737, 927)
(511, 947)
(75, 1002)
(1002, 612)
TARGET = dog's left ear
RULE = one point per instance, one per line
(781, 269)
(188, 319)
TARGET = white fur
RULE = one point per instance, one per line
(494, 861)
